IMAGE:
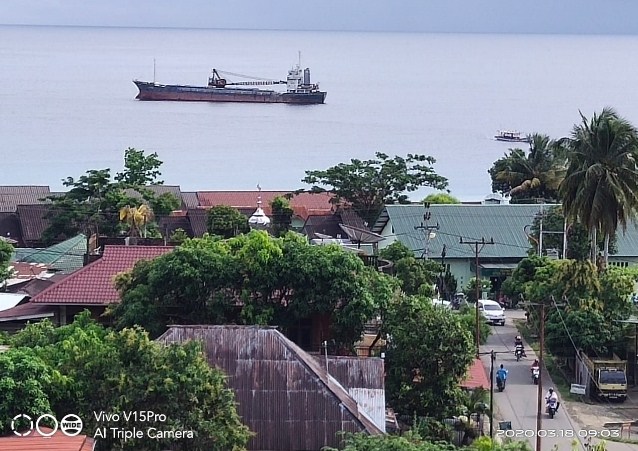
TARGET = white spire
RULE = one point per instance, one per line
(259, 218)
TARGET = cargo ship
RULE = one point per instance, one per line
(299, 90)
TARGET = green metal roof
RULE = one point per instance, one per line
(65, 257)
(503, 223)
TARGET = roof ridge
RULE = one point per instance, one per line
(330, 382)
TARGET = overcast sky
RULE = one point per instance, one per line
(473, 16)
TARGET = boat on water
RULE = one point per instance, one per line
(299, 90)
(512, 136)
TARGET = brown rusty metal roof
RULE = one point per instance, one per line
(283, 393)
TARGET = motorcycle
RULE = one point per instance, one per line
(535, 373)
(519, 352)
(500, 384)
(552, 407)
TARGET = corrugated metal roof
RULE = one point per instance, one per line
(24, 189)
(65, 257)
(33, 221)
(190, 199)
(283, 393)
(504, 223)
(9, 202)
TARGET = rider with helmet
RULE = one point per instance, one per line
(518, 344)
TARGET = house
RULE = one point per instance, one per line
(57, 441)
(91, 287)
(285, 395)
(506, 224)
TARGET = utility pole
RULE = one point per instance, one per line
(477, 251)
(429, 230)
(492, 358)
(541, 365)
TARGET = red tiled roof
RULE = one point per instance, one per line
(476, 377)
(56, 442)
(93, 284)
(303, 204)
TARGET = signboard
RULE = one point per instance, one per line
(578, 389)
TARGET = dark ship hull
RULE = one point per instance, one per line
(184, 93)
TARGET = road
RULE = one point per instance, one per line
(517, 403)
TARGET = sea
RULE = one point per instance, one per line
(67, 101)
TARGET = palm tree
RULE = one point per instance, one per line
(533, 175)
(600, 189)
(137, 218)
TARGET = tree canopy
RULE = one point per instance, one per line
(6, 251)
(600, 189)
(441, 198)
(226, 222)
(428, 353)
(530, 175)
(93, 202)
(254, 279)
(367, 185)
(85, 368)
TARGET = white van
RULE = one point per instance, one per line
(492, 312)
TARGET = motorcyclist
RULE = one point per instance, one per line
(501, 374)
(518, 344)
(535, 365)
(551, 396)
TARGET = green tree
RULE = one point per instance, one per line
(25, 382)
(370, 184)
(105, 371)
(140, 169)
(422, 378)
(226, 221)
(395, 252)
(90, 206)
(281, 215)
(93, 202)
(527, 176)
(279, 281)
(440, 198)
(6, 251)
(600, 189)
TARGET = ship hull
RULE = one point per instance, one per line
(183, 93)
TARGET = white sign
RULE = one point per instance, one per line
(578, 389)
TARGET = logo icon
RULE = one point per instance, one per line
(22, 425)
(15, 427)
(71, 425)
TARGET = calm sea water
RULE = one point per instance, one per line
(67, 101)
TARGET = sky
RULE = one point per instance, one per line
(440, 16)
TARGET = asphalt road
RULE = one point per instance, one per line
(518, 402)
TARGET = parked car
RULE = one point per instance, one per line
(492, 312)
(442, 303)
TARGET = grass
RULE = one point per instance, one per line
(562, 385)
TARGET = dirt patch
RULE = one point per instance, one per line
(592, 416)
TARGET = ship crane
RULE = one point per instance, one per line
(217, 81)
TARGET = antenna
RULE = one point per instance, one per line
(153, 70)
